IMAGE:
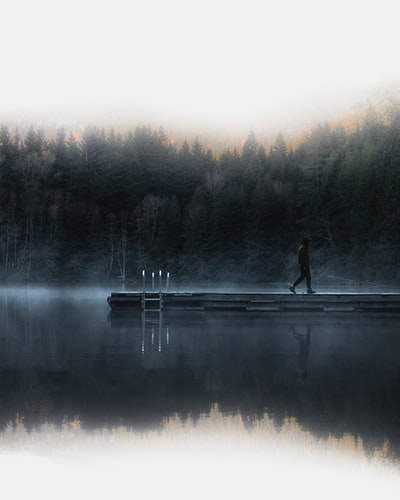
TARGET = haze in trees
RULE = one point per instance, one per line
(108, 205)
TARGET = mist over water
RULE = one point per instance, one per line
(231, 396)
(65, 355)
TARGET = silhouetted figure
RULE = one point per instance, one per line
(304, 263)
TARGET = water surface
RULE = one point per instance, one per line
(64, 357)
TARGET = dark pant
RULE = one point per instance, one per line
(304, 274)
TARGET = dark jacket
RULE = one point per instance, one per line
(304, 260)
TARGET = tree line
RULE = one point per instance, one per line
(107, 205)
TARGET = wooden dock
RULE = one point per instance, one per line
(267, 302)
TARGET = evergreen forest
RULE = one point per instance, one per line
(106, 205)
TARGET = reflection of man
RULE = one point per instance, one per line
(304, 263)
(304, 348)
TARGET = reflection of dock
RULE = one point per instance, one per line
(268, 302)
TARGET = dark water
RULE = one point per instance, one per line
(63, 355)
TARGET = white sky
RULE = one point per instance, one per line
(217, 62)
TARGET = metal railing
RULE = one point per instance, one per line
(153, 300)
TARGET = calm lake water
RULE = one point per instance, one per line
(202, 405)
(65, 357)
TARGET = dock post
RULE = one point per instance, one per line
(167, 286)
(152, 281)
(144, 280)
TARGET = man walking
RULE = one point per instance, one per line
(304, 263)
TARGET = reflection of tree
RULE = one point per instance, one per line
(243, 363)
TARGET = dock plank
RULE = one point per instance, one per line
(269, 302)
